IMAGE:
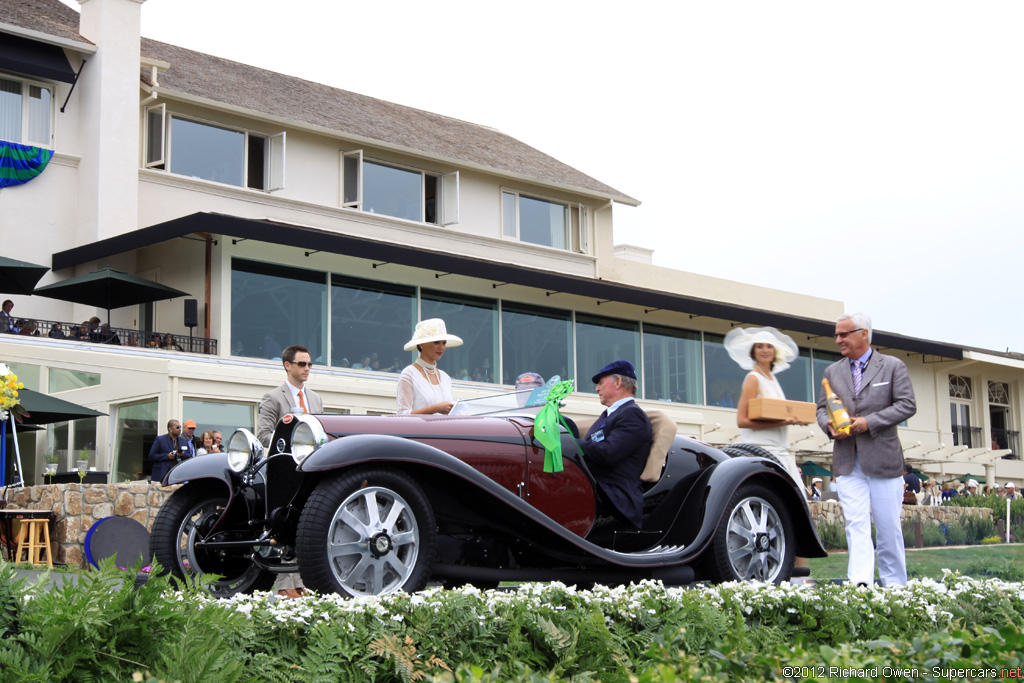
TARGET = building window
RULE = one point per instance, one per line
(136, 430)
(26, 112)
(724, 377)
(535, 339)
(796, 381)
(214, 416)
(370, 321)
(673, 365)
(391, 190)
(66, 380)
(273, 307)
(544, 222)
(475, 320)
(1004, 437)
(212, 152)
(961, 395)
(600, 341)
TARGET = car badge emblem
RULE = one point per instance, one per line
(287, 419)
(280, 445)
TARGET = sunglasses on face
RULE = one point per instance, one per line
(844, 335)
(302, 363)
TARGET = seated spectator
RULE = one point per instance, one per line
(82, 332)
(29, 328)
(133, 339)
(169, 343)
(108, 336)
(56, 331)
(154, 341)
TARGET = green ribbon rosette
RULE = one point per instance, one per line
(545, 426)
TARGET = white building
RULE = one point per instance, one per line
(298, 213)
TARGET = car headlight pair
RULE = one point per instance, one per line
(244, 449)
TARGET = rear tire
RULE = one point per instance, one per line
(754, 541)
(185, 518)
(365, 533)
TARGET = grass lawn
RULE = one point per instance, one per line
(979, 561)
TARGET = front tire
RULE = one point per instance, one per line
(186, 518)
(754, 541)
(367, 533)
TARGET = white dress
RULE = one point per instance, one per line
(775, 440)
(415, 392)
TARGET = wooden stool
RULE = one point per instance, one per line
(30, 542)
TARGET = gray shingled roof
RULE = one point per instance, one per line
(347, 113)
(45, 16)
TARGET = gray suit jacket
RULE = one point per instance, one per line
(886, 398)
(277, 403)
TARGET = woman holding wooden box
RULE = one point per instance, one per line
(765, 351)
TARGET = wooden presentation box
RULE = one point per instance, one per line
(778, 409)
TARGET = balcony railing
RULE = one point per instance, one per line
(1005, 438)
(115, 336)
(967, 436)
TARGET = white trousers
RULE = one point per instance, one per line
(872, 499)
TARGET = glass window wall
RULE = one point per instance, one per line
(370, 322)
(819, 361)
(673, 365)
(724, 376)
(66, 380)
(220, 417)
(475, 320)
(535, 339)
(392, 191)
(796, 380)
(599, 341)
(275, 306)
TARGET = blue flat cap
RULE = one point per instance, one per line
(617, 367)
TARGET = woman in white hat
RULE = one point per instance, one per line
(424, 388)
(764, 351)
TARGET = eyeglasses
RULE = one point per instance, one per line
(844, 335)
(301, 363)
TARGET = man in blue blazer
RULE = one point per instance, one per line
(617, 445)
(168, 450)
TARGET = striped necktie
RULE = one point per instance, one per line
(857, 377)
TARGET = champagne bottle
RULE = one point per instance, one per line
(841, 421)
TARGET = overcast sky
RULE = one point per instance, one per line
(870, 152)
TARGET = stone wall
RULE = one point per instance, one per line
(76, 507)
(831, 511)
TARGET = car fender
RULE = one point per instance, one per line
(211, 466)
(722, 481)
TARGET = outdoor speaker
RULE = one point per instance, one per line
(191, 313)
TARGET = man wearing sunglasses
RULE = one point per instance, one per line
(868, 461)
(290, 397)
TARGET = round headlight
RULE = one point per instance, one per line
(307, 437)
(243, 449)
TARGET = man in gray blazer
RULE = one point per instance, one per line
(290, 397)
(868, 461)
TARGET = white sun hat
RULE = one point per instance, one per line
(431, 330)
(739, 342)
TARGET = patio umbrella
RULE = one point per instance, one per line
(108, 288)
(45, 409)
(813, 469)
(19, 277)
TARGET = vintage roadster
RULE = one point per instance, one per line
(362, 505)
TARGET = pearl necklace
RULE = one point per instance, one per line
(429, 368)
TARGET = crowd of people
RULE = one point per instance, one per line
(91, 330)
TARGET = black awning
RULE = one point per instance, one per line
(34, 58)
(321, 240)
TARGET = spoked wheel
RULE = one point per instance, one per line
(186, 518)
(754, 540)
(367, 533)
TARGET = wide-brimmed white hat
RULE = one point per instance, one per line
(739, 342)
(431, 330)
